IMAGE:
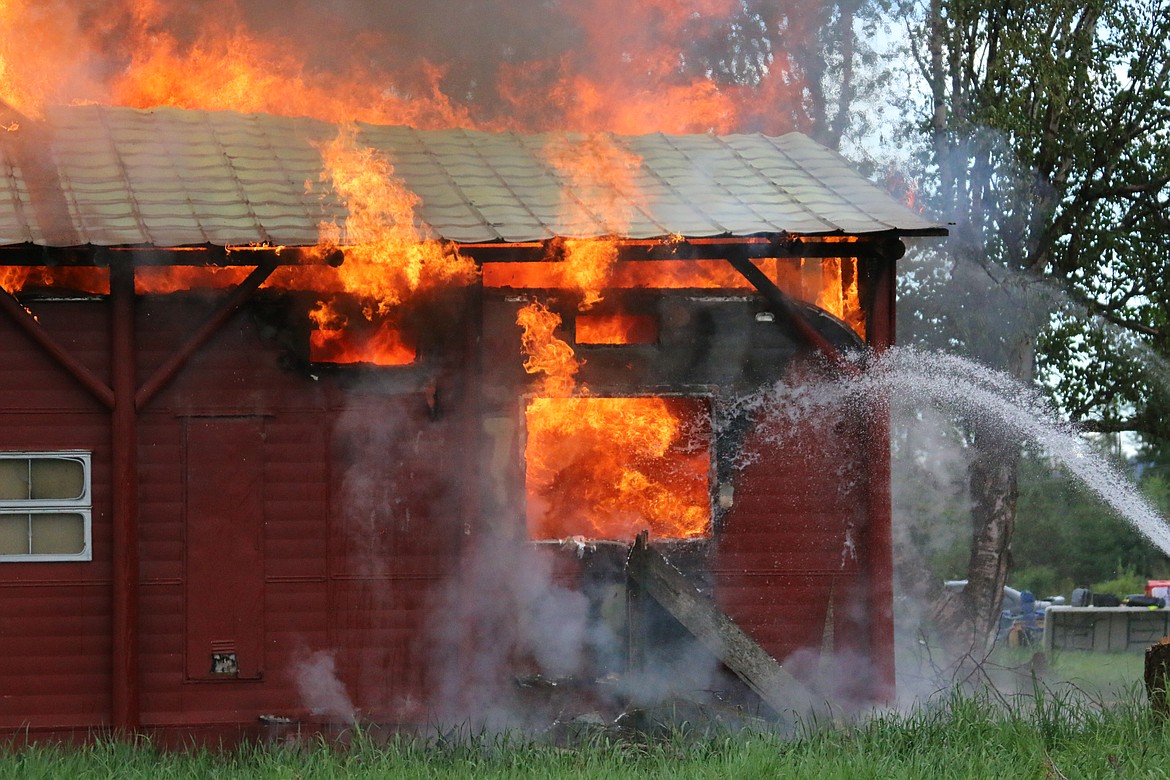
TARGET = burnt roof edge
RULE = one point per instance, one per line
(886, 244)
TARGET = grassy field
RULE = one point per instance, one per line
(1086, 718)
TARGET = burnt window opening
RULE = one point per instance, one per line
(343, 332)
(608, 468)
(382, 343)
(831, 283)
(614, 328)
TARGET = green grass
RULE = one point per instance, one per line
(1050, 735)
(1082, 716)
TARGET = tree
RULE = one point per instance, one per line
(1066, 539)
(1048, 127)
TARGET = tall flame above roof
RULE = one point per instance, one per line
(589, 66)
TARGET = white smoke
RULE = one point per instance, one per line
(502, 611)
(321, 690)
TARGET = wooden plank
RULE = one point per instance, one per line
(718, 632)
(225, 590)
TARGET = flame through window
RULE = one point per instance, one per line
(610, 467)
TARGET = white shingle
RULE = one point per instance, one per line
(171, 177)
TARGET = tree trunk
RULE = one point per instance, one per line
(994, 488)
(993, 479)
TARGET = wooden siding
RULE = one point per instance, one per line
(790, 545)
(337, 462)
(371, 484)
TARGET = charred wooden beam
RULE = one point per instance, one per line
(786, 308)
(551, 250)
(28, 254)
(718, 632)
(649, 250)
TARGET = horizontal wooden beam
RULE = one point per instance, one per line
(145, 256)
(552, 250)
(753, 247)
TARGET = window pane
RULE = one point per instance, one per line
(58, 534)
(57, 478)
(13, 534)
(14, 479)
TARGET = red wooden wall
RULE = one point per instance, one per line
(790, 563)
(280, 514)
(289, 511)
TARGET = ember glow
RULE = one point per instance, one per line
(87, 280)
(616, 328)
(838, 293)
(159, 280)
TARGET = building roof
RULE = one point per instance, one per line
(168, 177)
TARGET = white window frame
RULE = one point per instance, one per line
(82, 505)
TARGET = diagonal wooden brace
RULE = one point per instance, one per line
(786, 308)
(782, 692)
(28, 323)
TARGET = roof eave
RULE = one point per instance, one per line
(836, 244)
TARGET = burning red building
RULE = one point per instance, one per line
(275, 391)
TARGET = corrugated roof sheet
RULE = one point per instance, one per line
(169, 177)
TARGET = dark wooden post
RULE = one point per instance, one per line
(637, 630)
(124, 448)
(879, 548)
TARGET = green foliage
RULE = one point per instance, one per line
(1048, 133)
(1046, 145)
(1126, 582)
(1065, 537)
(1043, 581)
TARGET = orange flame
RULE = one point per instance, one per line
(388, 257)
(599, 191)
(384, 346)
(608, 467)
(232, 69)
(545, 353)
(81, 279)
(611, 467)
(619, 67)
(160, 280)
(831, 284)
